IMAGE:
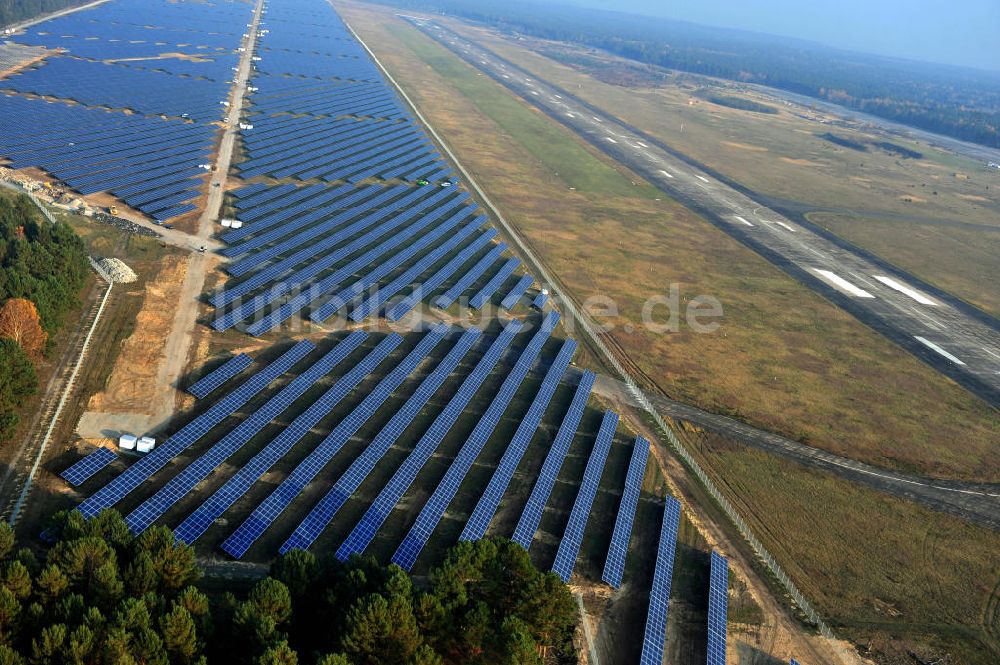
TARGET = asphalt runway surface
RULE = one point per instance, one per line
(951, 336)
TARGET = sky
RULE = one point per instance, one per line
(956, 32)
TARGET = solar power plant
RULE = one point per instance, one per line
(614, 567)
(569, 546)
(140, 518)
(364, 531)
(524, 533)
(718, 603)
(479, 520)
(659, 595)
(109, 62)
(88, 466)
(438, 502)
(214, 379)
(152, 462)
(322, 514)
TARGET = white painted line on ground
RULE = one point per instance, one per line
(558, 97)
(608, 138)
(701, 177)
(741, 220)
(596, 118)
(505, 76)
(642, 144)
(786, 226)
(842, 284)
(934, 347)
(665, 174)
(570, 115)
(534, 92)
(903, 288)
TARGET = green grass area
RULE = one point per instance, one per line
(549, 143)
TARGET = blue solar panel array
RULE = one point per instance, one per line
(659, 596)
(365, 530)
(321, 515)
(614, 567)
(514, 295)
(718, 609)
(88, 466)
(240, 541)
(178, 486)
(152, 462)
(446, 490)
(113, 57)
(321, 113)
(488, 503)
(214, 379)
(524, 533)
(569, 546)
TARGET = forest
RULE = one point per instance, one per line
(12, 11)
(43, 267)
(959, 102)
(100, 595)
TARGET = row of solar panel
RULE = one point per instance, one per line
(92, 151)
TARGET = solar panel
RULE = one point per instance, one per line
(614, 566)
(718, 604)
(322, 514)
(374, 301)
(524, 533)
(153, 461)
(240, 541)
(793, 662)
(414, 541)
(364, 531)
(399, 310)
(540, 300)
(569, 546)
(227, 370)
(470, 276)
(198, 521)
(485, 293)
(88, 466)
(185, 481)
(487, 505)
(514, 295)
(659, 595)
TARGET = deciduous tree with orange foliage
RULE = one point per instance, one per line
(19, 321)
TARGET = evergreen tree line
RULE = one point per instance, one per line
(45, 264)
(101, 596)
(960, 102)
(13, 11)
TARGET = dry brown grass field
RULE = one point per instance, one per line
(784, 358)
(937, 217)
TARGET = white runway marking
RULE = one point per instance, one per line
(786, 226)
(934, 347)
(903, 288)
(596, 118)
(608, 138)
(842, 284)
(702, 178)
(740, 219)
(570, 115)
(642, 144)
(665, 174)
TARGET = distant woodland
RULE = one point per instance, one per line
(960, 102)
(12, 11)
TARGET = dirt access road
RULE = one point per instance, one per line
(177, 344)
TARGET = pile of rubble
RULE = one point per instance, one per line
(126, 225)
(117, 270)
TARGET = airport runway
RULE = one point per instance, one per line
(949, 335)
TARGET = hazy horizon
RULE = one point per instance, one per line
(963, 32)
